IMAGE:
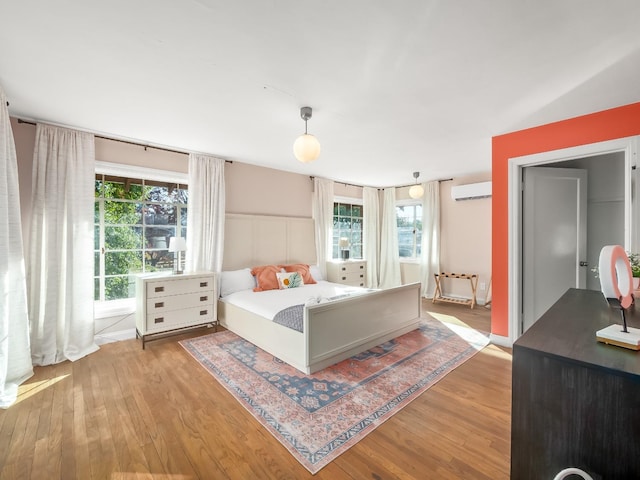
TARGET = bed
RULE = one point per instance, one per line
(336, 328)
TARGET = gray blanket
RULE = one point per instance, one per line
(291, 317)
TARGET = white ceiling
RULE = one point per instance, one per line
(395, 86)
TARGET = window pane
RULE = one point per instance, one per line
(98, 186)
(183, 216)
(158, 260)
(158, 237)
(119, 287)
(122, 238)
(356, 251)
(96, 289)
(96, 212)
(356, 211)
(344, 209)
(96, 264)
(122, 212)
(120, 263)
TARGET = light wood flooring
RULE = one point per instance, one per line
(124, 413)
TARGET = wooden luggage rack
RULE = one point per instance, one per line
(473, 281)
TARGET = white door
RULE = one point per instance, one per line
(554, 228)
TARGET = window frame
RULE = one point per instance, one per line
(349, 201)
(407, 203)
(112, 308)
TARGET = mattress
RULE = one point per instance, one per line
(269, 303)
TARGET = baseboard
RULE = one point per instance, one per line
(111, 337)
(500, 340)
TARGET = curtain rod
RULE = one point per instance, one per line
(28, 122)
(381, 188)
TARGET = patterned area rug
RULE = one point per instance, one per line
(317, 417)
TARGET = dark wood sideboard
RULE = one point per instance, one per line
(576, 402)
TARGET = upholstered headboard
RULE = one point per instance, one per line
(251, 240)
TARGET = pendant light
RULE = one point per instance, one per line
(416, 191)
(306, 148)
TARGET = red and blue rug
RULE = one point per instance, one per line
(319, 416)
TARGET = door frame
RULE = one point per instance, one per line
(627, 145)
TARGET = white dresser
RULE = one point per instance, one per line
(348, 272)
(167, 302)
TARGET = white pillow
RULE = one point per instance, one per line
(316, 273)
(236, 280)
(289, 280)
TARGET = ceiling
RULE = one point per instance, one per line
(395, 87)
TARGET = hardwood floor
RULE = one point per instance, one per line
(127, 413)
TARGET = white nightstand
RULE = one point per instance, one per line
(348, 272)
(168, 303)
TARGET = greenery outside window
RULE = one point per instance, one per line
(409, 222)
(134, 219)
(347, 223)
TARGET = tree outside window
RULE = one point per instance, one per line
(134, 220)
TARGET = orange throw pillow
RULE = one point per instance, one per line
(303, 270)
(266, 277)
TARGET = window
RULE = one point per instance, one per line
(134, 220)
(409, 221)
(347, 223)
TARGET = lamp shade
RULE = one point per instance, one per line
(177, 244)
(416, 191)
(306, 148)
(343, 242)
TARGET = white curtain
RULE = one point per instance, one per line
(15, 354)
(323, 219)
(371, 233)
(205, 213)
(60, 263)
(430, 256)
(389, 255)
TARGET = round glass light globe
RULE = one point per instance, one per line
(306, 148)
(416, 191)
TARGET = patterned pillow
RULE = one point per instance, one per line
(303, 270)
(266, 277)
(289, 280)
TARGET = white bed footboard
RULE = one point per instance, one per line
(333, 331)
(343, 328)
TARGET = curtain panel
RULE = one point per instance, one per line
(430, 257)
(205, 213)
(15, 354)
(322, 207)
(389, 255)
(371, 232)
(61, 259)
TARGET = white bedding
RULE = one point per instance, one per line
(268, 303)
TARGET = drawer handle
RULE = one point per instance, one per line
(343, 268)
(204, 299)
(204, 284)
(362, 275)
(361, 267)
(159, 304)
(344, 278)
(159, 289)
(158, 320)
(204, 312)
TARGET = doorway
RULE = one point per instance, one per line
(610, 201)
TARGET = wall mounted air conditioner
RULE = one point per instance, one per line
(471, 191)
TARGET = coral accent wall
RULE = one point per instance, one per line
(597, 127)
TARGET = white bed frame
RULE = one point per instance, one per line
(333, 331)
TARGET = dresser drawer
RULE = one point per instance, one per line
(352, 267)
(176, 302)
(162, 288)
(162, 321)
